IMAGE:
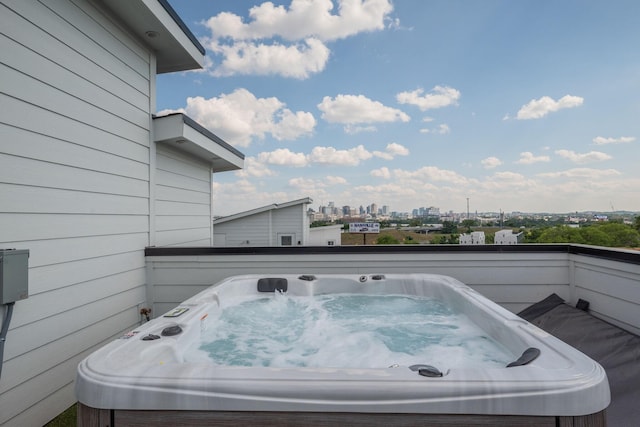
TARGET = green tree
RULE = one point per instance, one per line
(533, 235)
(621, 235)
(469, 223)
(387, 239)
(636, 223)
(561, 234)
(596, 236)
(448, 239)
(449, 227)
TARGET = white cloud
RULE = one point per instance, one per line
(527, 158)
(431, 173)
(303, 18)
(507, 182)
(581, 173)
(284, 157)
(386, 191)
(491, 162)
(440, 96)
(306, 184)
(297, 61)
(393, 149)
(356, 109)
(335, 180)
(239, 117)
(442, 129)
(383, 172)
(331, 156)
(254, 167)
(600, 140)
(243, 186)
(397, 149)
(303, 28)
(353, 130)
(538, 108)
(592, 156)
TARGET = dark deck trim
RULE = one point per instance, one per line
(599, 252)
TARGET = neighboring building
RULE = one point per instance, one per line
(330, 235)
(284, 224)
(507, 237)
(474, 238)
(89, 177)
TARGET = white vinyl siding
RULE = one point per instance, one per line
(183, 199)
(265, 228)
(75, 95)
(247, 231)
(289, 221)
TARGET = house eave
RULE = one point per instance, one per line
(273, 206)
(157, 24)
(184, 134)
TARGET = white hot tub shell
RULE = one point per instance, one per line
(136, 373)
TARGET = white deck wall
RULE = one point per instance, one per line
(183, 199)
(513, 280)
(75, 102)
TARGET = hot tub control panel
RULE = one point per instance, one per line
(14, 275)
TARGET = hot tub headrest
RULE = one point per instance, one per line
(272, 284)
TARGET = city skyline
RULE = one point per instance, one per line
(517, 105)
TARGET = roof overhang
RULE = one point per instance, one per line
(155, 22)
(184, 134)
(271, 207)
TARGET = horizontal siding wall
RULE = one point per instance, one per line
(74, 190)
(514, 280)
(288, 221)
(183, 199)
(612, 289)
(248, 231)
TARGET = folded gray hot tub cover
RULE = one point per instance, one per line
(617, 350)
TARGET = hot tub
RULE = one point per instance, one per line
(147, 376)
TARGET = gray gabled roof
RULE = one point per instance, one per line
(274, 206)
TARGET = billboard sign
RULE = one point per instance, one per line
(364, 227)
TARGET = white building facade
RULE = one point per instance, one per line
(507, 237)
(473, 238)
(330, 235)
(283, 224)
(89, 177)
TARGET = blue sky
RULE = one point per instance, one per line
(529, 105)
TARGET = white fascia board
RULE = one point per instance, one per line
(271, 207)
(157, 25)
(186, 135)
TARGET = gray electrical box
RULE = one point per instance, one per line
(14, 275)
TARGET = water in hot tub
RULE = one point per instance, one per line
(347, 331)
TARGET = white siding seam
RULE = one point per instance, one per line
(72, 119)
(84, 101)
(98, 45)
(97, 322)
(132, 37)
(76, 190)
(75, 75)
